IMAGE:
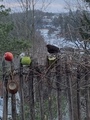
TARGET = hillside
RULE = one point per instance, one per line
(57, 29)
(51, 85)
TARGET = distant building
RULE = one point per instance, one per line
(47, 20)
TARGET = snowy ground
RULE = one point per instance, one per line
(53, 39)
(9, 106)
(62, 43)
(59, 41)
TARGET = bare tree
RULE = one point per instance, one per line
(69, 88)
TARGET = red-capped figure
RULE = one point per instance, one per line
(8, 56)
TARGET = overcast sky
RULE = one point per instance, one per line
(56, 6)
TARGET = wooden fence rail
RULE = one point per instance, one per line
(58, 90)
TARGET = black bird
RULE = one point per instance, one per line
(52, 49)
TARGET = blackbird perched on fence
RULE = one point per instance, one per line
(52, 49)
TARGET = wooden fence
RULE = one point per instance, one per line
(58, 90)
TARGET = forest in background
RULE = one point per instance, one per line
(19, 30)
(54, 91)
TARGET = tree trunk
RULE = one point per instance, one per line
(40, 93)
(31, 93)
(13, 100)
(21, 92)
(5, 92)
(5, 99)
(49, 83)
(69, 88)
(58, 80)
(87, 97)
(78, 93)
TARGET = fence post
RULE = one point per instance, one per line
(31, 92)
(40, 91)
(50, 64)
(87, 97)
(21, 91)
(13, 99)
(69, 88)
(5, 92)
(78, 92)
(58, 80)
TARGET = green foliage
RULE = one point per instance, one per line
(53, 107)
(27, 114)
(4, 11)
(7, 41)
(84, 30)
(85, 35)
(45, 109)
(63, 105)
(4, 30)
(37, 112)
(14, 45)
(17, 45)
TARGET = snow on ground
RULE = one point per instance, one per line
(1, 107)
(9, 106)
(53, 39)
(61, 42)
